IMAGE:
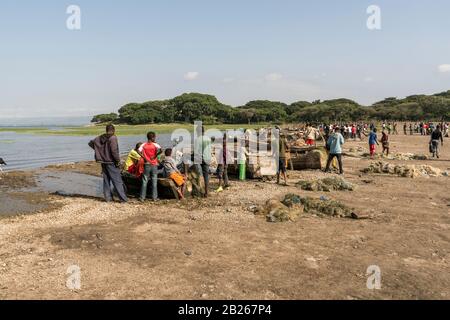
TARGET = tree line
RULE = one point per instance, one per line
(190, 107)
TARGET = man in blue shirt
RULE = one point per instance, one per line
(373, 140)
(334, 145)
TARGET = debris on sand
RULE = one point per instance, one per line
(407, 171)
(326, 185)
(292, 201)
(360, 152)
(330, 208)
(282, 211)
(292, 206)
(406, 156)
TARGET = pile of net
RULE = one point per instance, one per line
(326, 185)
(360, 152)
(407, 156)
(295, 138)
(407, 171)
(327, 207)
(292, 206)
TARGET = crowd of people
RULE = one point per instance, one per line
(360, 129)
(336, 134)
(148, 160)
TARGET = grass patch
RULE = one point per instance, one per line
(122, 130)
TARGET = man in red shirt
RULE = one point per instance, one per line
(150, 152)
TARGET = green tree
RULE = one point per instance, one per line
(104, 118)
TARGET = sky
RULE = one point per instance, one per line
(283, 50)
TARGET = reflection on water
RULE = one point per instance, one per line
(65, 183)
(70, 184)
(25, 151)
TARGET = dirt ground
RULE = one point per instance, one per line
(218, 249)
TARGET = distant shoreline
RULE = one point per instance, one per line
(122, 130)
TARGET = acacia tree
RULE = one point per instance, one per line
(195, 106)
(105, 118)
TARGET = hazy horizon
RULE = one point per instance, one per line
(57, 120)
(290, 50)
(44, 121)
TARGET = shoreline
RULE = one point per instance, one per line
(218, 248)
(122, 130)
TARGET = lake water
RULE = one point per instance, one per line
(29, 151)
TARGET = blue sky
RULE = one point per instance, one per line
(285, 50)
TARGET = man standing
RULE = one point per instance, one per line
(222, 168)
(334, 144)
(150, 152)
(311, 135)
(106, 149)
(282, 160)
(436, 136)
(354, 132)
(385, 143)
(203, 157)
(373, 140)
(326, 131)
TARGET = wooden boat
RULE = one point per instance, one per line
(166, 187)
(312, 158)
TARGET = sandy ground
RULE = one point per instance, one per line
(218, 249)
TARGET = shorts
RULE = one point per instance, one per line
(372, 149)
(282, 165)
(177, 178)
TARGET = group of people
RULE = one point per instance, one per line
(337, 134)
(348, 130)
(143, 161)
(425, 128)
(148, 160)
